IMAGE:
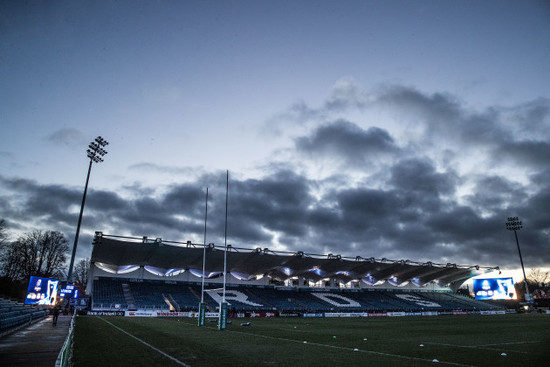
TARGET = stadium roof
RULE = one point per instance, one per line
(117, 254)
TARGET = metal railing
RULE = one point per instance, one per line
(66, 351)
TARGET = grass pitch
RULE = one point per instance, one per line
(474, 340)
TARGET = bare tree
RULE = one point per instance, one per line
(7, 254)
(3, 232)
(37, 253)
(538, 277)
(81, 271)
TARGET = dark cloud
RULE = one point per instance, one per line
(440, 108)
(349, 142)
(411, 218)
(493, 194)
(278, 203)
(533, 117)
(32, 202)
(368, 208)
(526, 152)
(183, 199)
(419, 175)
(519, 133)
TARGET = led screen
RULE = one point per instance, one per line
(496, 288)
(68, 291)
(42, 291)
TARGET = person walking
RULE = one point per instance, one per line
(55, 315)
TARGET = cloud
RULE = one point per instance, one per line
(519, 133)
(461, 172)
(441, 194)
(420, 176)
(346, 140)
(172, 170)
(277, 203)
(492, 194)
(6, 155)
(526, 152)
(346, 94)
(69, 137)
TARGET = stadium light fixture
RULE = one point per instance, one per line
(514, 224)
(96, 151)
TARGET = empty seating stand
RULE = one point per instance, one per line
(108, 295)
(14, 314)
(180, 296)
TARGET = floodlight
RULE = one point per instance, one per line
(514, 224)
(95, 153)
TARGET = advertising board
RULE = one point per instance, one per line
(42, 291)
(495, 288)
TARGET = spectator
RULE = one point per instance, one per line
(55, 314)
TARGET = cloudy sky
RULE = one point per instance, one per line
(393, 129)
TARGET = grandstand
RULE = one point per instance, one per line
(131, 274)
(15, 314)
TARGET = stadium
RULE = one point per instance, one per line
(290, 309)
(151, 275)
(145, 299)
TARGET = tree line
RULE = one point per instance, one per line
(37, 253)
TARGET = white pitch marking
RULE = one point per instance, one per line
(479, 346)
(147, 344)
(509, 343)
(351, 349)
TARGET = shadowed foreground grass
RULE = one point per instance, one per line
(453, 340)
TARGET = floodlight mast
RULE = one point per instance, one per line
(514, 224)
(95, 152)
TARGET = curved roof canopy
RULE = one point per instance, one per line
(164, 258)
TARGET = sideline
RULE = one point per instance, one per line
(145, 343)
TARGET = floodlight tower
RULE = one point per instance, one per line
(514, 224)
(95, 152)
